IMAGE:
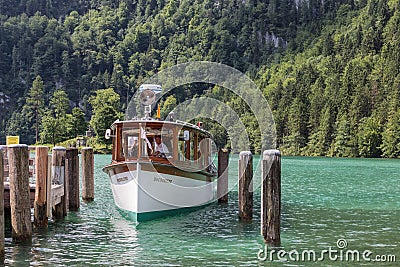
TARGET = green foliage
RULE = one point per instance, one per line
(342, 145)
(54, 122)
(53, 129)
(369, 137)
(320, 140)
(294, 141)
(76, 124)
(332, 98)
(168, 105)
(391, 136)
(34, 105)
(26, 122)
(105, 98)
(18, 125)
(57, 124)
(59, 103)
(105, 111)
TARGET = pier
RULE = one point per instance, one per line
(48, 183)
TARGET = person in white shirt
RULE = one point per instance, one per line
(160, 147)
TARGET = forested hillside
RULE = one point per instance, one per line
(340, 96)
(329, 69)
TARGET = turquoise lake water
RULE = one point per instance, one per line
(323, 200)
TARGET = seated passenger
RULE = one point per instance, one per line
(160, 148)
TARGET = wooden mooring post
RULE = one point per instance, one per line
(222, 186)
(1, 207)
(271, 197)
(58, 182)
(72, 174)
(41, 201)
(49, 196)
(4, 149)
(87, 174)
(49, 186)
(245, 186)
(18, 161)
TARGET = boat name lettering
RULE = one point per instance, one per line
(162, 180)
(122, 179)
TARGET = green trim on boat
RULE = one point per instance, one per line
(147, 216)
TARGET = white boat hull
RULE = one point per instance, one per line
(145, 194)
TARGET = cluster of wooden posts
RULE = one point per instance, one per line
(54, 193)
(270, 190)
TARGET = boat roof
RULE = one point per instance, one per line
(154, 121)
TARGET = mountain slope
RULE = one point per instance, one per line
(329, 68)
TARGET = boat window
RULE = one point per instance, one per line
(184, 146)
(158, 142)
(202, 150)
(117, 144)
(130, 143)
(188, 149)
(195, 151)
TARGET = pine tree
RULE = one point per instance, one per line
(55, 119)
(319, 142)
(294, 141)
(369, 137)
(34, 105)
(76, 124)
(341, 145)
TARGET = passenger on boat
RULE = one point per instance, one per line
(133, 146)
(160, 148)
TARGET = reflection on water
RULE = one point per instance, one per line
(322, 200)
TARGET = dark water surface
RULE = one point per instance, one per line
(323, 200)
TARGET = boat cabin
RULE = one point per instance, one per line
(176, 143)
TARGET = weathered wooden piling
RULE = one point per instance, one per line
(72, 174)
(58, 179)
(271, 197)
(245, 186)
(4, 149)
(222, 186)
(18, 160)
(87, 174)
(40, 205)
(48, 185)
(1, 207)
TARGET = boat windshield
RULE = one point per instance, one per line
(147, 142)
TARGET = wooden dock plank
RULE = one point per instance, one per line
(7, 194)
(57, 193)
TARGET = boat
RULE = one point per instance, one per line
(160, 167)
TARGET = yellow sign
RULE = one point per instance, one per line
(12, 140)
